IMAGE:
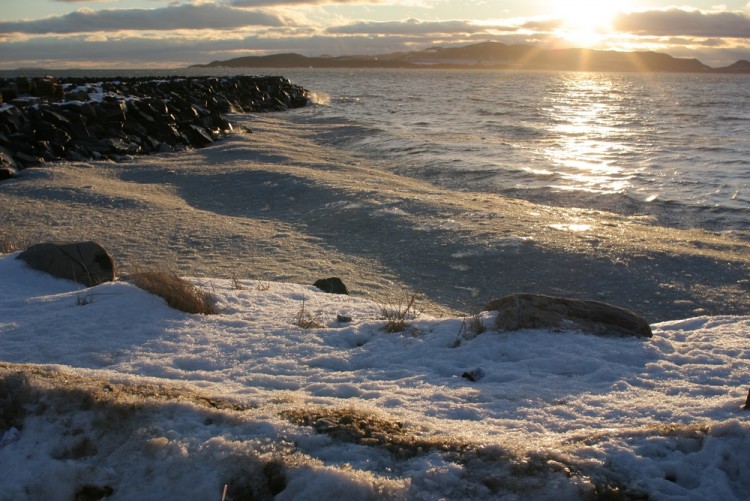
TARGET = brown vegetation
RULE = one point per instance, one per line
(305, 320)
(397, 314)
(177, 292)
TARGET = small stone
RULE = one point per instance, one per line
(474, 375)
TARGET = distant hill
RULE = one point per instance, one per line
(491, 55)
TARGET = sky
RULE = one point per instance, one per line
(177, 33)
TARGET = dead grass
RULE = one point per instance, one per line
(399, 313)
(236, 283)
(471, 326)
(305, 320)
(499, 469)
(12, 241)
(351, 425)
(177, 292)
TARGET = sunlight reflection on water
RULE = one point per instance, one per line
(581, 111)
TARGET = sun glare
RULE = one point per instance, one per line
(586, 22)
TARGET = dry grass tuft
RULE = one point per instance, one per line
(236, 283)
(471, 326)
(475, 324)
(399, 313)
(177, 292)
(305, 320)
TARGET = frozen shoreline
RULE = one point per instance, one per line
(274, 205)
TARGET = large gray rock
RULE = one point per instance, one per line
(532, 311)
(84, 262)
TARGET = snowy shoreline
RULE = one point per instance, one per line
(108, 392)
(118, 395)
(123, 395)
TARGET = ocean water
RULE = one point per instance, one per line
(674, 147)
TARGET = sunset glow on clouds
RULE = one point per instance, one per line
(163, 33)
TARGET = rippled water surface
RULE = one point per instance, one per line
(673, 146)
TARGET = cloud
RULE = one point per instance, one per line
(139, 52)
(543, 25)
(408, 27)
(178, 17)
(273, 3)
(679, 22)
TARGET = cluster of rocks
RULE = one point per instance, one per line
(49, 119)
(90, 264)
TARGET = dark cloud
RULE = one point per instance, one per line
(205, 16)
(409, 27)
(678, 22)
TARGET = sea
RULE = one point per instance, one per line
(673, 147)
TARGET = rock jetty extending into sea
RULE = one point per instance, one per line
(49, 119)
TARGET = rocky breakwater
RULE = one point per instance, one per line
(49, 119)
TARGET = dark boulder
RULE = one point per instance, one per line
(532, 311)
(8, 166)
(332, 285)
(84, 262)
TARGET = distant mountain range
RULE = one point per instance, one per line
(491, 55)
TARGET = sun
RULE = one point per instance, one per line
(587, 22)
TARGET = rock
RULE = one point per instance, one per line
(532, 311)
(198, 136)
(332, 285)
(83, 262)
(137, 116)
(473, 375)
(746, 407)
(8, 166)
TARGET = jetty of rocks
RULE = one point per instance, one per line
(48, 119)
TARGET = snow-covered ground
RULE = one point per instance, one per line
(107, 392)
